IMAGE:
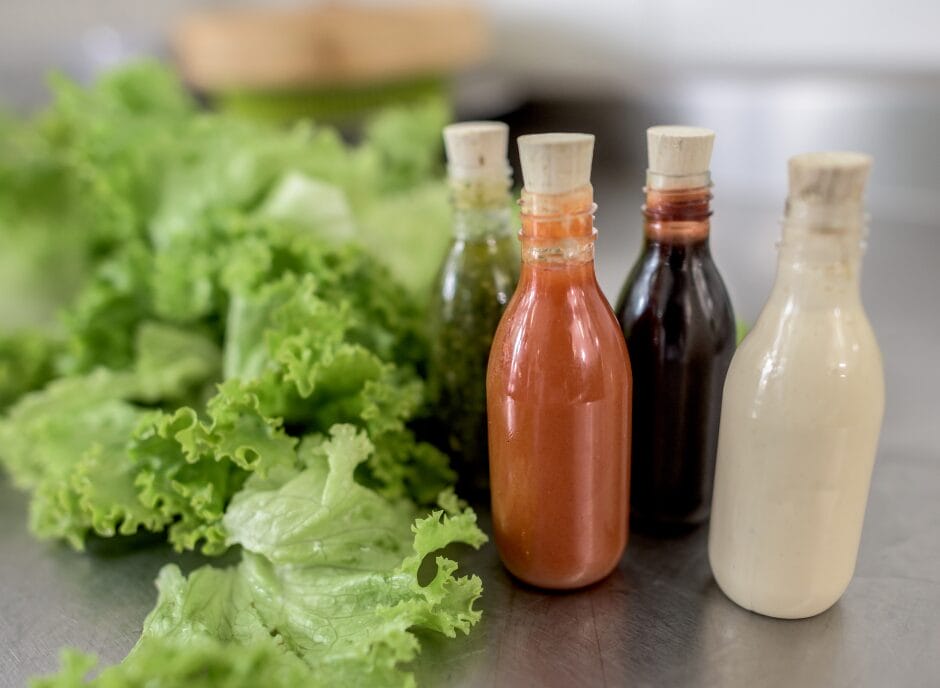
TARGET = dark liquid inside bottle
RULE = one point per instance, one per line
(679, 326)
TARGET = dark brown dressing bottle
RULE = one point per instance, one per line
(680, 331)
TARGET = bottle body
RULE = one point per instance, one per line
(801, 415)
(558, 396)
(474, 285)
(679, 327)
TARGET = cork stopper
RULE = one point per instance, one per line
(556, 163)
(829, 178)
(477, 150)
(679, 157)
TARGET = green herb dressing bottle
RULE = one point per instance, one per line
(476, 280)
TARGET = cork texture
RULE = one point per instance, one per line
(830, 177)
(678, 151)
(477, 150)
(556, 163)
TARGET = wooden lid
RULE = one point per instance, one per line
(334, 45)
(477, 150)
(831, 178)
(556, 163)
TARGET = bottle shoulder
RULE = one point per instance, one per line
(481, 255)
(555, 327)
(840, 324)
(474, 284)
(659, 300)
(810, 356)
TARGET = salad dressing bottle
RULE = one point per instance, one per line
(680, 332)
(558, 386)
(476, 279)
(802, 409)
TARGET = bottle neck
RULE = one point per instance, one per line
(558, 231)
(678, 216)
(481, 208)
(482, 223)
(820, 254)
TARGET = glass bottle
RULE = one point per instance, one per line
(802, 410)
(477, 277)
(679, 326)
(558, 386)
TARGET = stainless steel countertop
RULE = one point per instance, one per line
(659, 620)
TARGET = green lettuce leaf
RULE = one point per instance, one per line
(238, 362)
(328, 581)
(68, 443)
(303, 200)
(79, 181)
(394, 225)
(116, 140)
(200, 663)
(27, 362)
(101, 324)
(329, 569)
(189, 468)
(305, 370)
(172, 363)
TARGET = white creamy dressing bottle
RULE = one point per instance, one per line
(802, 409)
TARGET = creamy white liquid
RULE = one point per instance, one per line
(801, 414)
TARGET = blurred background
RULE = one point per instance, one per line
(773, 79)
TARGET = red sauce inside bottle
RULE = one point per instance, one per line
(558, 399)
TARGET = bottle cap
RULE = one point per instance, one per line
(555, 163)
(679, 157)
(477, 150)
(829, 178)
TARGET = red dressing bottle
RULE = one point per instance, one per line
(559, 386)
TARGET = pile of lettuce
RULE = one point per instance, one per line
(214, 331)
